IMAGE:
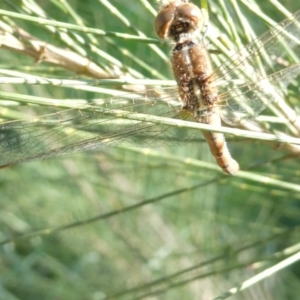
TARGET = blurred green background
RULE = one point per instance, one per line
(201, 232)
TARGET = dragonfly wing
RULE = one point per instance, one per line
(248, 100)
(270, 52)
(89, 127)
(244, 72)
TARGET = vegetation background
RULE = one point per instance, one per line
(143, 223)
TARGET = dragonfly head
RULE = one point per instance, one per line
(177, 20)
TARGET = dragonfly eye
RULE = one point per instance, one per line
(191, 14)
(175, 19)
(164, 20)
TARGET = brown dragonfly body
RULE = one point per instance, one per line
(192, 70)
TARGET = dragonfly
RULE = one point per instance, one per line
(237, 90)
